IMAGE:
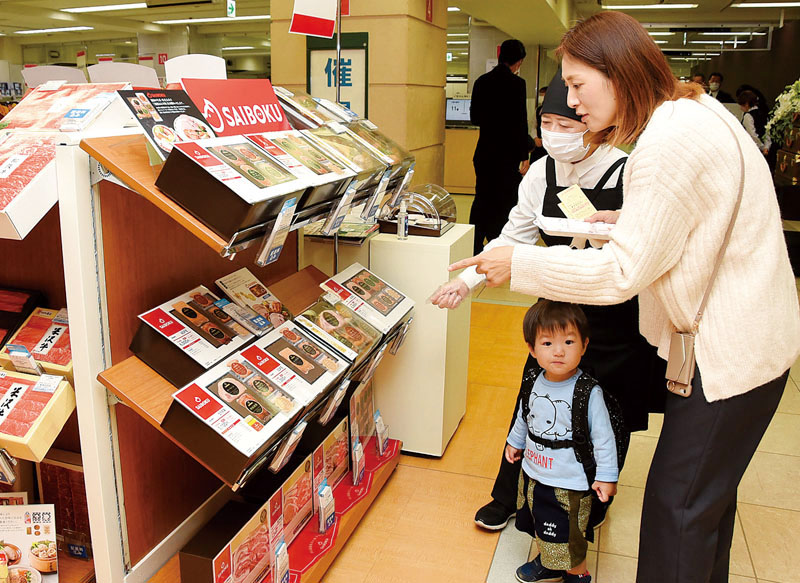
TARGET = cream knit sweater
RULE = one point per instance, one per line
(680, 185)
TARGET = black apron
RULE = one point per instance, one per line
(618, 356)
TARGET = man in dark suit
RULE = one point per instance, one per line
(501, 156)
(714, 84)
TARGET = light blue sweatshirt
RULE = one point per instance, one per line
(551, 418)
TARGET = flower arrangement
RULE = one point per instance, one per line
(785, 113)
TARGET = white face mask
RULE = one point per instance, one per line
(564, 147)
(713, 86)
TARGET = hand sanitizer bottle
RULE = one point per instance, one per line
(402, 221)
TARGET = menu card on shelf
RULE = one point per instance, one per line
(167, 117)
(234, 107)
(370, 297)
(66, 108)
(28, 538)
(245, 290)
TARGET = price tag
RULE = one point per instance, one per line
(381, 433)
(333, 403)
(287, 449)
(403, 185)
(273, 244)
(334, 220)
(22, 359)
(369, 124)
(337, 127)
(376, 199)
(48, 383)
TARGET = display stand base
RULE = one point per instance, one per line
(311, 553)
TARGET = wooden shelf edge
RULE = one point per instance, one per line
(131, 165)
(349, 522)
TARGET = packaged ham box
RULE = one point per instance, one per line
(15, 307)
(32, 412)
(46, 336)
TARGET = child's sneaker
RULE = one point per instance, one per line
(535, 572)
(585, 578)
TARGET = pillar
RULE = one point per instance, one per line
(407, 71)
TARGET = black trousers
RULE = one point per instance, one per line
(690, 498)
(496, 193)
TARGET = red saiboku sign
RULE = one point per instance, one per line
(162, 58)
(233, 107)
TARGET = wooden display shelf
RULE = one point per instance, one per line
(75, 570)
(126, 157)
(149, 394)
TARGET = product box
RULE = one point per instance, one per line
(337, 141)
(27, 181)
(329, 177)
(370, 297)
(245, 289)
(55, 106)
(46, 335)
(228, 183)
(33, 411)
(184, 337)
(340, 328)
(167, 117)
(236, 412)
(301, 104)
(27, 533)
(229, 536)
(15, 307)
(61, 483)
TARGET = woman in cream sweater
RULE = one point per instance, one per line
(680, 188)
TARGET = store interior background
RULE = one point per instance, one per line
(414, 66)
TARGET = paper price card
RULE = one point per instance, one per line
(273, 245)
(336, 217)
(574, 203)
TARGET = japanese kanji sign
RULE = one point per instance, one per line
(325, 73)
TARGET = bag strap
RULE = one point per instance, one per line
(726, 239)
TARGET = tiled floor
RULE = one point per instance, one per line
(420, 529)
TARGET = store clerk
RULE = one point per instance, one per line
(618, 356)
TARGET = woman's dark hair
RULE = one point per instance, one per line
(549, 316)
(619, 47)
(747, 98)
(511, 51)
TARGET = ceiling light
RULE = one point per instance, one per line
(733, 33)
(767, 5)
(453, 9)
(458, 42)
(237, 48)
(105, 54)
(220, 19)
(457, 34)
(63, 29)
(660, 33)
(718, 42)
(107, 7)
(649, 6)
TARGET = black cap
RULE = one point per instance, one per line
(511, 51)
(555, 100)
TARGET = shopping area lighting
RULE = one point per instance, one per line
(106, 8)
(661, 33)
(453, 9)
(733, 33)
(766, 5)
(718, 42)
(238, 48)
(457, 34)
(660, 42)
(458, 42)
(219, 19)
(63, 29)
(648, 6)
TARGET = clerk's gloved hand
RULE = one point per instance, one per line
(451, 294)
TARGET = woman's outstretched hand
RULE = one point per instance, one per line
(494, 263)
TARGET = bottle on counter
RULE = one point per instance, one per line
(402, 221)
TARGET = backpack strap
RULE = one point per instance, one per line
(582, 443)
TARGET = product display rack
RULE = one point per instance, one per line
(125, 252)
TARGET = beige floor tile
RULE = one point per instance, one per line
(637, 463)
(620, 532)
(654, 423)
(795, 370)
(790, 402)
(771, 480)
(477, 446)
(782, 436)
(503, 294)
(740, 563)
(740, 579)
(772, 536)
(615, 569)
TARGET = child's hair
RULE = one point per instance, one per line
(548, 316)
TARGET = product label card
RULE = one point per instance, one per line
(193, 323)
(28, 534)
(243, 288)
(339, 212)
(273, 244)
(574, 203)
(11, 164)
(374, 203)
(23, 360)
(333, 402)
(286, 450)
(167, 117)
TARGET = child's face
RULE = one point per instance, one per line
(559, 352)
